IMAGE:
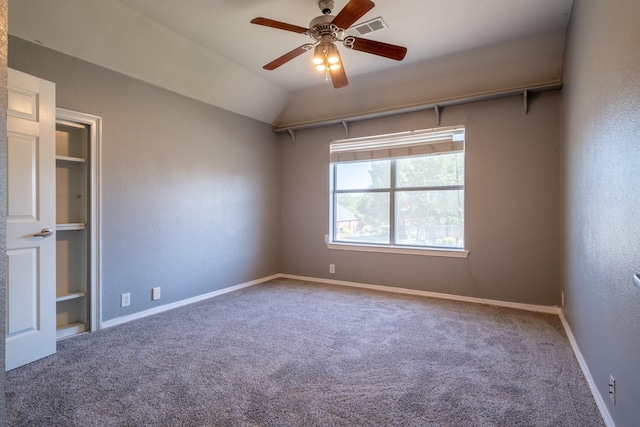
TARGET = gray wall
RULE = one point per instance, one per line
(512, 205)
(512, 63)
(601, 107)
(189, 191)
(3, 188)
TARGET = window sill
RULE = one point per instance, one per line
(407, 250)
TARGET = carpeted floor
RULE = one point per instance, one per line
(288, 353)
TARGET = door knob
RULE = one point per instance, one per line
(46, 232)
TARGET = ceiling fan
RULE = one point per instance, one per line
(327, 29)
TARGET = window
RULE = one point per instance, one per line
(399, 190)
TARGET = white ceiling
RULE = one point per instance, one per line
(428, 28)
(214, 38)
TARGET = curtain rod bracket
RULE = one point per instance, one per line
(437, 108)
(293, 136)
(526, 102)
(346, 127)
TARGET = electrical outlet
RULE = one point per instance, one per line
(332, 268)
(612, 388)
(155, 294)
(125, 300)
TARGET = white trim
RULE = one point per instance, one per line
(170, 306)
(139, 315)
(604, 411)
(516, 305)
(408, 250)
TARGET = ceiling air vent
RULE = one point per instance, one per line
(367, 27)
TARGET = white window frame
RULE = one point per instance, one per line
(391, 147)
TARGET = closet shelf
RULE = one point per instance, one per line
(71, 226)
(63, 331)
(70, 296)
(71, 159)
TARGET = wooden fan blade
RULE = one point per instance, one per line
(386, 50)
(287, 57)
(339, 76)
(353, 11)
(279, 25)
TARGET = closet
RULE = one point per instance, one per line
(77, 138)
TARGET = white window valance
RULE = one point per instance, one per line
(402, 144)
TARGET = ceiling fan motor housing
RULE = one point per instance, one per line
(321, 21)
(326, 6)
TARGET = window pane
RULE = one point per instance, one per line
(430, 171)
(363, 175)
(362, 217)
(430, 218)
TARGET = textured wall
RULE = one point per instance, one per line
(601, 106)
(3, 186)
(189, 191)
(512, 203)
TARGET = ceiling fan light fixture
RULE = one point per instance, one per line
(326, 57)
(318, 55)
(332, 54)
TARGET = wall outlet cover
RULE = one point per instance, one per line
(125, 300)
(612, 388)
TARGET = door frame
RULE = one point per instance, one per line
(94, 127)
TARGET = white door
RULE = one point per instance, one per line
(31, 221)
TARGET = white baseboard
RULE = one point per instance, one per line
(516, 305)
(604, 411)
(171, 306)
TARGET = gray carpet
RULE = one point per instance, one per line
(289, 353)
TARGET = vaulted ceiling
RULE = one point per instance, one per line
(209, 50)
